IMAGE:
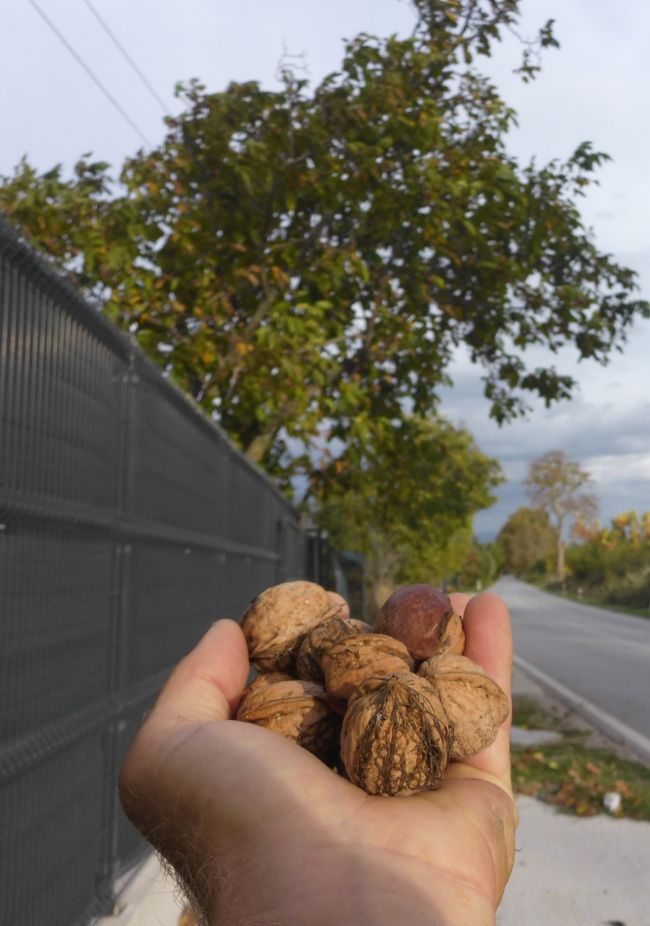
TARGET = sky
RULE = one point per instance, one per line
(594, 88)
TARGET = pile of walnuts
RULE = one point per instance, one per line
(389, 706)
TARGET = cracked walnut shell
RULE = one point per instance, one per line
(474, 703)
(395, 737)
(298, 711)
(276, 621)
(451, 635)
(348, 663)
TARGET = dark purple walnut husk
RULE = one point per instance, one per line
(422, 617)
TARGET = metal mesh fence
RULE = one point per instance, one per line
(128, 524)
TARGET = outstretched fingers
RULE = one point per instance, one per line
(488, 642)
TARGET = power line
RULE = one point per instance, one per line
(90, 73)
(126, 55)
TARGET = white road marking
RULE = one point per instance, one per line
(600, 718)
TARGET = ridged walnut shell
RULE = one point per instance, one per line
(276, 621)
(474, 703)
(348, 663)
(340, 705)
(360, 626)
(317, 642)
(396, 737)
(422, 617)
(298, 711)
(262, 681)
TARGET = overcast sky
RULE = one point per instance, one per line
(594, 88)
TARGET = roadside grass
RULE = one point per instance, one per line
(576, 779)
(529, 714)
(570, 775)
(597, 603)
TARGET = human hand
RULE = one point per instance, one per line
(261, 833)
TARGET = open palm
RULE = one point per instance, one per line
(261, 832)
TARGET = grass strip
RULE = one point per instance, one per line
(598, 603)
(575, 779)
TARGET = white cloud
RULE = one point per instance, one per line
(606, 427)
(622, 468)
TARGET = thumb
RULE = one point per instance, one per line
(207, 683)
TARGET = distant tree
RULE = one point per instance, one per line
(409, 507)
(479, 566)
(555, 486)
(612, 563)
(527, 541)
(304, 261)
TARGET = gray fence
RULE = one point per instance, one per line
(127, 524)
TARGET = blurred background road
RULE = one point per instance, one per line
(596, 660)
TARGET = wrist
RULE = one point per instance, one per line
(347, 888)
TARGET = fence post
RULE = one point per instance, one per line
(121, 569)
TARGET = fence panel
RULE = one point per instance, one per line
(128, 524)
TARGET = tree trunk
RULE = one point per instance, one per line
(259, 446)
(559, 567)
(380, 570)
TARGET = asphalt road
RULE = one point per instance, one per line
(598, 661)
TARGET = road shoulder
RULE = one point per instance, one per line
(575, 870)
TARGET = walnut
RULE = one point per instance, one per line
(423, 619)
(317, 642)
(341, 607)
(360, 626)
(451, 635)
(348, 663)
(474, 703)
(261, 681)
(298, 711)
(396, 737)
(339, 705)
(277, 620)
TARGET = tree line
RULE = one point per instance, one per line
(559, 541)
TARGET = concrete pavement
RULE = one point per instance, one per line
(149, 899)
(572, 871)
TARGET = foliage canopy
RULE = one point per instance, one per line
(410, 505)
(526, 542)
(613, 563)
(304, 262)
